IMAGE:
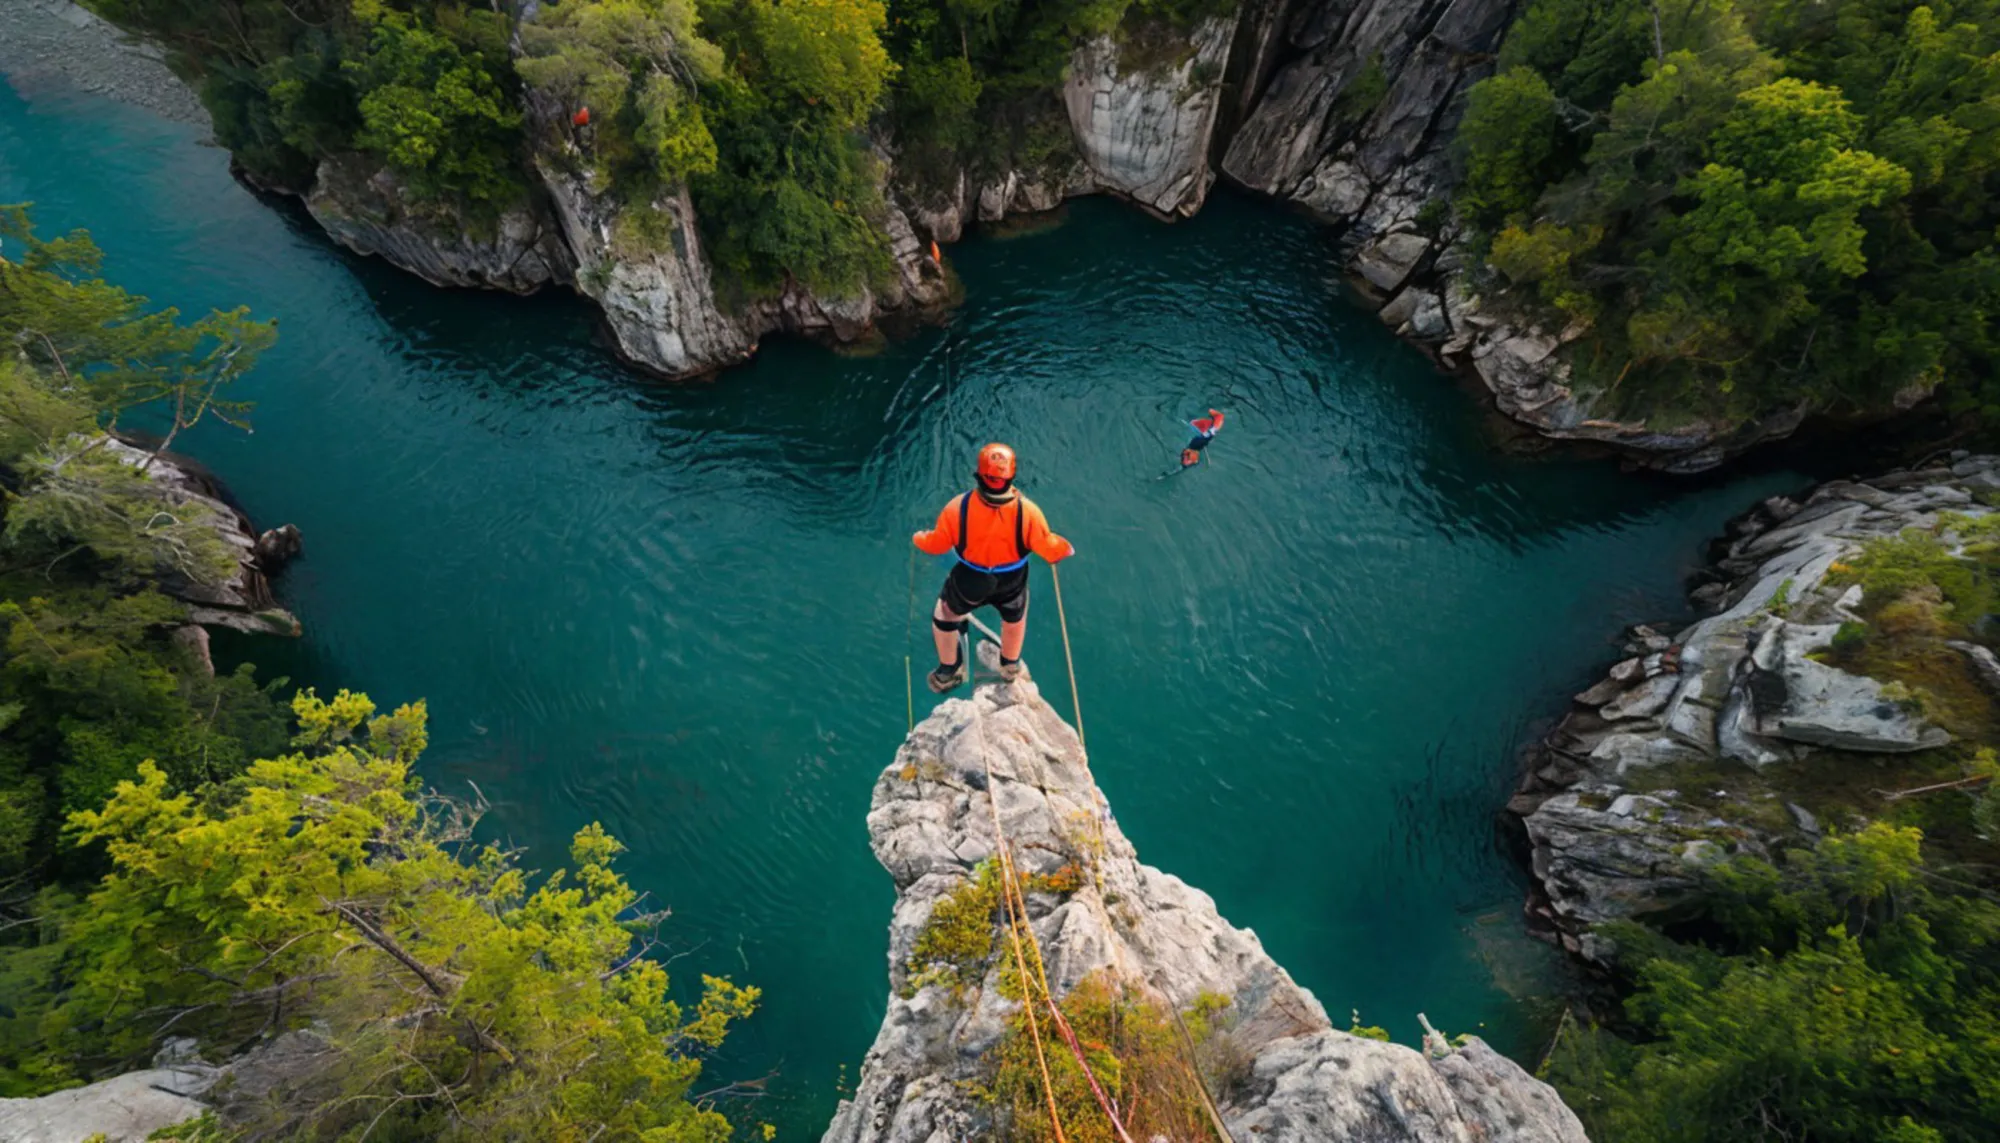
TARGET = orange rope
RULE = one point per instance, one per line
(1017, 916)
(1013, 925)
(1075, 704)
(1010, 883)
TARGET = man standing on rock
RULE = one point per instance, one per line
(992, 529)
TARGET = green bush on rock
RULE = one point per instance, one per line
(1848, 993)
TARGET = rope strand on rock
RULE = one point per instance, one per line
(1013, 927)
(1017, 920)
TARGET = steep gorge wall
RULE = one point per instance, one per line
(1293, 1076)
(1341, 107)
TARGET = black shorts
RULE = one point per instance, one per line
(1198, 443)
(966, 591)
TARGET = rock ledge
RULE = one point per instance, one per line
(931, 826)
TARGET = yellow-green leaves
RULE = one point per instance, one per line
(825, 52)
(637, 65)
(318, 889)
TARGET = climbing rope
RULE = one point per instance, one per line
(1013, 923)
(1069, 661)
(909, 624)
(1011, 887)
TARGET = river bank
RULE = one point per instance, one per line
(1794, 707)
(56, 43)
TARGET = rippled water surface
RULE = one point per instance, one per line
(682, 610)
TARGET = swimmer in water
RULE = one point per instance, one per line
(1205, 429)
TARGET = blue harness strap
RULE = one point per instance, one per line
(1020, 538)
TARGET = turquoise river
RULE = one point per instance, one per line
(681, 610)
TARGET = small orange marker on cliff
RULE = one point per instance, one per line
(935, 256)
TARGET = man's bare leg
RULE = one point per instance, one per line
(947, 641)
(1012, 635)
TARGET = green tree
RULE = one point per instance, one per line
(1508, 135)
(638, 66)
(103, 347)
(89, 354)
(1792, 202)
(796, 192)
(462, 999)
(436, 106)
(1852, 998)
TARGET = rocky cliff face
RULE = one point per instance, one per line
(1143, 111)
(1362, 97)
(245, 601)
(1144, 131)
(1350, 107)
(658, 303)
(1294, 1076)
(1735, 735)
(366, 209)
(649, 276)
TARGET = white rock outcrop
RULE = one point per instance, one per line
(243, 602)
(122, 1109)
(931, 825)
(1664, 766)
(660, 303)
(365, 207)
(1145, 132)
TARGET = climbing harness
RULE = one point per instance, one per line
(1020, 537)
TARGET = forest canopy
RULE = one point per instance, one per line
(774, 114)
(1751, 203)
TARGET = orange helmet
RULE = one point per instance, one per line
(996, 466)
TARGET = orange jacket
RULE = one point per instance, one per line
(991, 532)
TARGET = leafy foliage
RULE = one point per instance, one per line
(978, 79)
(425, 86)
(637, 66)
(434, 101)
(1135, 1052)
(1759, 202)
(1850, 995)
(104, 350)
(956, 943)
(460, 999)
(795, 192)
(261, 881)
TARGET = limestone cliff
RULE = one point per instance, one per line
(1348, 109)
(659, 302)
(366, 208)
(1293, 1076)
(1144, 132)
(1745, 731)
(1143, 109)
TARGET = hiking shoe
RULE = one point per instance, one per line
(1011, 671)
(946, 678)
